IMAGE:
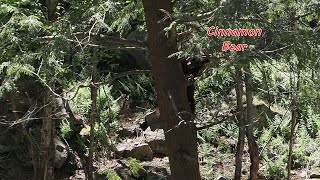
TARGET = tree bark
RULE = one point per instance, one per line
(293, 126)
(241, 123)
(50, 8)
(171, 87)
(93, 113)
(45, 169)
(45, 165)
(294, 117)
(253, 147)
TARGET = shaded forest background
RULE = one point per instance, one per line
(136, 89)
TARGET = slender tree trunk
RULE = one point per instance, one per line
(45, 166)
(49, 8)
(45, 169)
(294, 115)
(241, 121)
(293, 126)
(253, 147)
(93, 114)
(171, 87)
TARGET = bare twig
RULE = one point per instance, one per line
(44, 82)
(276, 50)
(199, 17)
(40, 66)
(124, 43)
(25, 118)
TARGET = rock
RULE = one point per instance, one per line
(137, 150)
(123, 172)
(142, 152)
(153, 120)
(221, 178)
(141, 57)
(61, 153)
(156, 141)
(143, 174)
(121, 148)
(60, 108)
(315, 173)
(155, 173)
(4, 148)
(262, 112)
(313, 176)
(129, 130)
(85, 131)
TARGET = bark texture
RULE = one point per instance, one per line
(45, 169)
(171, 87)
(241, 123)
(93, 113)
(253, 147)
(294, 117)
(45, 165)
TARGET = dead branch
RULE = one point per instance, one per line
(276, 50)
(117, 76)
(120, 43)
(28, 116)
(189, 31)
(199, 17)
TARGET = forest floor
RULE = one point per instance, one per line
(220, 167)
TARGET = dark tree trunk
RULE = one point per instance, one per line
(241, 123)
(45, 165)
(171, 87)
(253, 147)
(50, 8)
(93, 113)
(294, 117)
(293, 126)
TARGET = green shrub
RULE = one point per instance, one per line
(276, 168)
(111, 174)
(135, 166)
(81, 103)
(65, 128)
(108, 110)
(138, 88)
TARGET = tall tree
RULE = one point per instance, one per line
(93, 113)
(45, 165)
(294, 85)
(241, 122)
(253, 147)
(171, 87)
